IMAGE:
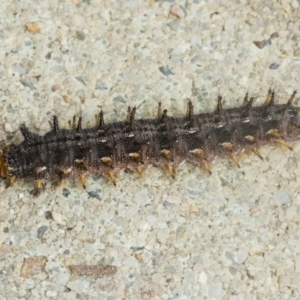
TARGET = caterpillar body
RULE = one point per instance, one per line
(137, 143)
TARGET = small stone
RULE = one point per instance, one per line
(151, 219)
(5, 249)
(196, 59)
(157, 277)
(290, 213)
(57, 217)
(77, 20)
(193, 209)
(51, 294)
(257, 249)
(91, 241)
(232, 270)
(130, 262)
(18, 70)
(229, 26)
(48, 55)
(27, 83)
(8, 127)
(173, 199)
(274, 35)
(64, 49)
(33, 266)
(12, 88)
(229, 256)
(178, 11)
(202, 277)
(80, 35)
(142, 197)
(120, 221)
(80, 79)
(262, 44)
(66, 98)
(136, 249)
(66, 192)
(78, 286)
(119, 99)
(165, 70)
(48, 215)
(295, 4)
(215, 291)
(241, 256)
(100, 86)
(62, 278)
(41, 231)
(43, 250)
(40, 212)
(284, 281)
(26, 208)
(180, 231)
(274, 66)
(170, 270)
(174, 25)
(282, 197)
(297, 264)
(33, 27)
(93, 194)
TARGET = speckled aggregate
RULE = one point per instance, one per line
(232, 235)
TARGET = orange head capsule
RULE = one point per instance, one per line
(3, 162)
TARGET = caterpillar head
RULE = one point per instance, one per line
(6, 171)
(3, 162)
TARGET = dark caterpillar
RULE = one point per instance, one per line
(164, 141)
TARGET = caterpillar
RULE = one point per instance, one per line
(164, 141)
